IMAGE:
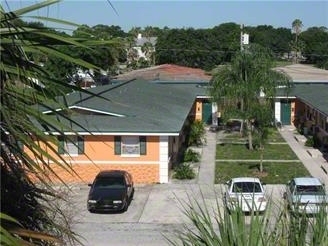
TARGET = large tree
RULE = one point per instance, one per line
(296, 45)
(29, 215)
(316, 46)
(246, 88)
(276, 40)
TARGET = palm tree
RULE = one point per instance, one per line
(297, 28)
(135, 31)
(28, 214)
(243, 84)
(148, 49)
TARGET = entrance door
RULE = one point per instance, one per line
(207, 113)
(285, 112)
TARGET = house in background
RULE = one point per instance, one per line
(140, 41)
(306, 104)
(143, 49)
(135, 125)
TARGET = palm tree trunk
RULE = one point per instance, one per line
(261, 159)
(250, 136)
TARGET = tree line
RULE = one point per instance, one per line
(198, 48)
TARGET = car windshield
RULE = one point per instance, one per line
(110, 182)
(309, 190)
(247, 187)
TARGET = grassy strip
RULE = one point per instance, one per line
(240, 152)
(274, 172)
(274, 136)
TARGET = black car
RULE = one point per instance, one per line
(111, 190)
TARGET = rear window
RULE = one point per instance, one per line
(310, 190)
(247, 187)
(110, 182)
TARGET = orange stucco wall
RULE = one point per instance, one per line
(85, 173)
(293, 112)
(199, 110)
(99, 155)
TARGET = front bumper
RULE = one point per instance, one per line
(247, 206)
(102, 206)
(310, 208)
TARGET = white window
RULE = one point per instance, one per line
(130, 145)
(71, 145)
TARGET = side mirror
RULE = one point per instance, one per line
(284, 195)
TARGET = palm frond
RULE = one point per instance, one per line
(27, 150)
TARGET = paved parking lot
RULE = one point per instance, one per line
(155, 213)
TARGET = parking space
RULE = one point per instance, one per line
(159, 203)
(132, 215)
(155, 212)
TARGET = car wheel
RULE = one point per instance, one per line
(259, 213)
(125, 206)
(132, 194)
(91, 211)
(226, 206)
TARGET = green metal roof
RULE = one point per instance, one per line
(134, 107)
(315, 94)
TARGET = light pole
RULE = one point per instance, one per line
(241, 37)
(244, 38)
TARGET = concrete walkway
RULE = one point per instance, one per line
(207, 163)
(315, 163)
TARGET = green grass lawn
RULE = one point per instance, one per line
(274, 172)
(274, 136)
(283, 63)
(241, 152)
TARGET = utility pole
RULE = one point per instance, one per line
(244, 38)
(241, 37)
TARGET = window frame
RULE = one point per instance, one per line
(122, 141)
(66, 143)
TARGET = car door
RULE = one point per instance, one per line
(290, 189)
(227, 192)
(128, 182)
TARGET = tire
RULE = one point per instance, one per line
(126, 205)
(132, 195)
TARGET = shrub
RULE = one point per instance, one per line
(197, 132)
(184, 171)
(191, 156)
(309, 142)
